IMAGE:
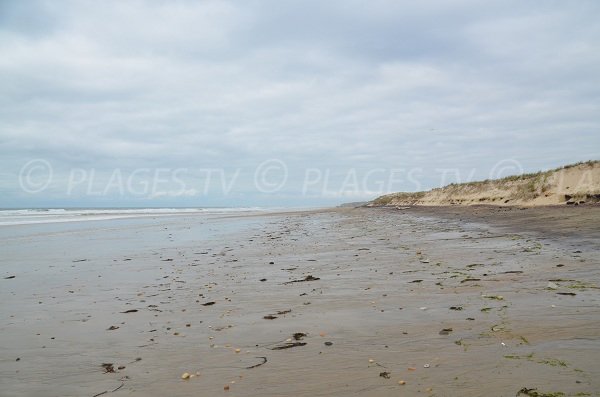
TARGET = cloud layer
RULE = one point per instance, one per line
(336, 87)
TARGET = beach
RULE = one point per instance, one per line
(435, 301)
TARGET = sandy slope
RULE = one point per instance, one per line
(573, 184)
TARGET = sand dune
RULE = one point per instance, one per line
(572, 184)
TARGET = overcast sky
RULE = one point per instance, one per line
(287, 102)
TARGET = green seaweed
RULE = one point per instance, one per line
(524, 339)
(553, 362)
(580, 285)
(494, 297)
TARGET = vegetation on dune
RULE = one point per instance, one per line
(404, 196)
(524, 187)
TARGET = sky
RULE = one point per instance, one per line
(287, 103)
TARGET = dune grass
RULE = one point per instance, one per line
(522, 187)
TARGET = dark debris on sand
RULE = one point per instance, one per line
(307, 278)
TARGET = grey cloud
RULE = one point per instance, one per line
(336, 85)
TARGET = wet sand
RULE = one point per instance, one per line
(452, 301)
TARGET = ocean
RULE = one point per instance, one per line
(52, 215)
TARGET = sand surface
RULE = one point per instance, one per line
(453, 302)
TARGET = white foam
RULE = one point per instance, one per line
(50, 215)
